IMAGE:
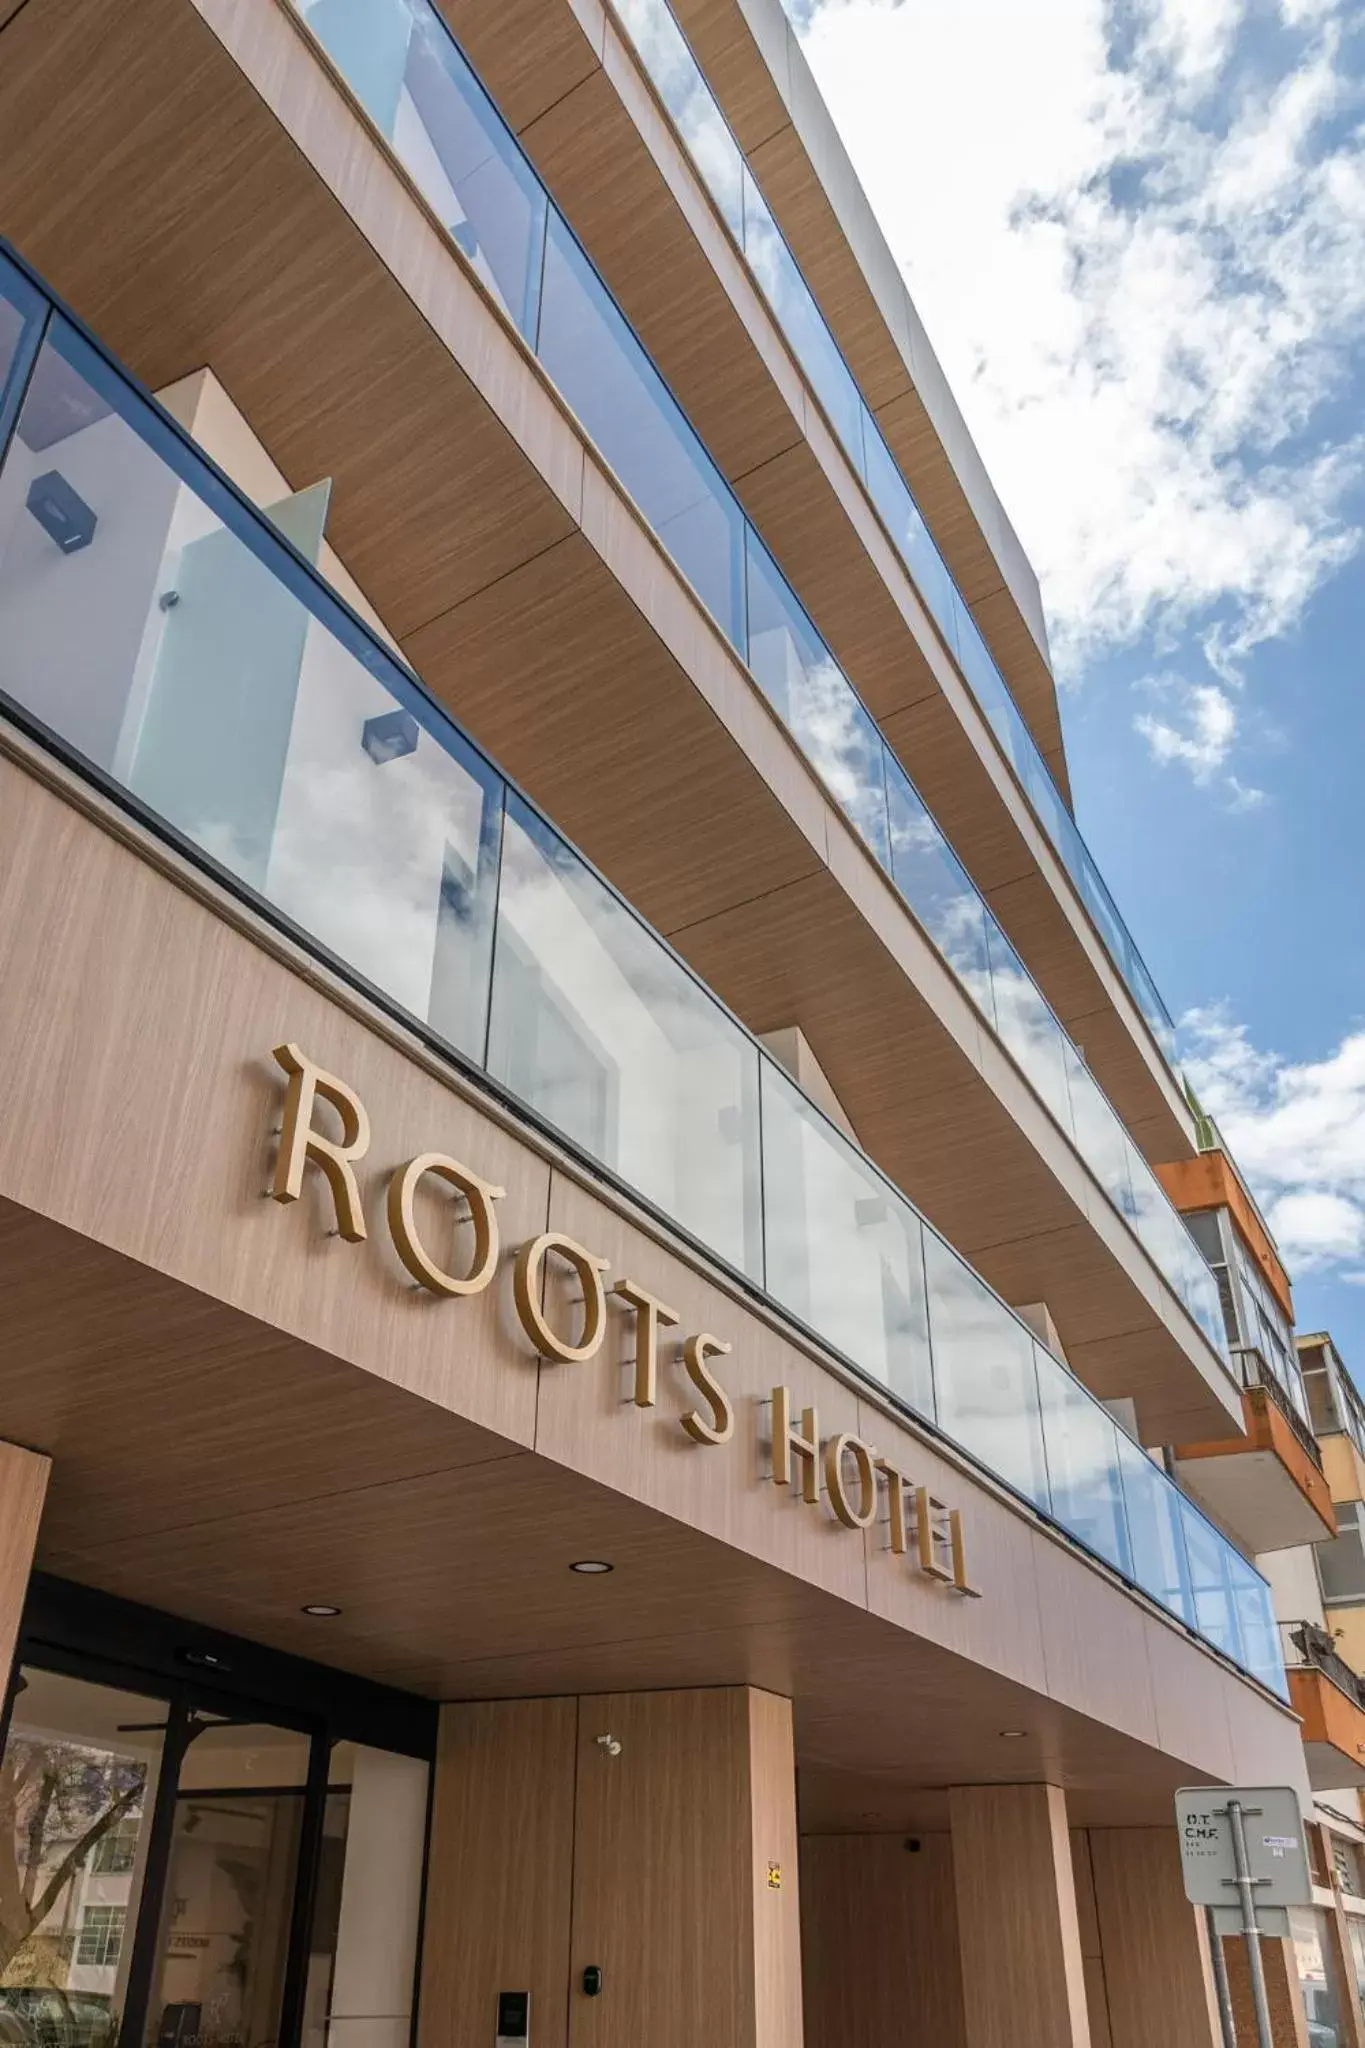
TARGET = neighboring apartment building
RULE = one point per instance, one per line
(593, 1335)
(1292, 1489)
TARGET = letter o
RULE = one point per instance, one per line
(481, 1195)
(526, 1275)
(864, 1459)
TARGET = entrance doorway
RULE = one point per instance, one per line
(183, 1866)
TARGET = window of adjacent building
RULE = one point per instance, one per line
(100, 1940)
(1355, 1934)
(1317, 1985)
(1341, 1563)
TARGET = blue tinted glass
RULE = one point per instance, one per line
(843, 1247)
(984, 1373)
(400, 61)
(601, 1029)
(1100, 1138)
(1027, 1025)
(625, 406)
(937, 887)
(21, 314)
(801, 320)
(162, 631)
(987, 685)
(680, 85)
(1261, 1652)
(815, 700)
(1083, 1463)
(1156, 1531)
(891, 496)
(1211, 1582)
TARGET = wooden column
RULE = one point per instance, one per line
(1153, 1966)
(23, 1486)
(500, 1872)
(685, 1873)
(1018, 1930)
(879, 1952)
(664, 1857)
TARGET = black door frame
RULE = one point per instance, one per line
(84, 1634)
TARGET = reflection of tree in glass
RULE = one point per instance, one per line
(57, 1802)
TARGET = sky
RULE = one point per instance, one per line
(1135, 232)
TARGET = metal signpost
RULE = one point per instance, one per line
(1247, 1842)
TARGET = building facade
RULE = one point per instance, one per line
(613, 1428)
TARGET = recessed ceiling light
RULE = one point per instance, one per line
(320, 1610)
(591, 1566)
(1013, 1734)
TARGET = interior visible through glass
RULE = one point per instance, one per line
(77, 1787)
(223, 1942)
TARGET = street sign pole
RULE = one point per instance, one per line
(1246, 1892)
(1226, 2016)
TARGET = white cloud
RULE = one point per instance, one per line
(1204, 738)
(1142, 262)
(1297, 1130)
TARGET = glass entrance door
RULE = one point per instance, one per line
(227, 1907)
(151, 1867)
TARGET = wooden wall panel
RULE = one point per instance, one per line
(879, 1948)
(501, 1870)
(1018, 1927)
(1154, 1968)
(666, 1896)
(1092, 1956)
(23, 1487)
(778, 2018)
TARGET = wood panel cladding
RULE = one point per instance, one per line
(650, 1837)
(23, 1488)
(1018, 1927)
(879, 1949)
(1155, 1973)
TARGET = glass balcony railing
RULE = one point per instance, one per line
(678, 79)
(402, 64)
(177, 646)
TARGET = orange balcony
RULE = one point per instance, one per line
(1267, 1487)
(1330, 1701)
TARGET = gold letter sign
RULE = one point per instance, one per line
(841, 1475)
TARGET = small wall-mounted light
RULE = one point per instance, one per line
(592, 1567)
(61, 512)
(389, 736)
(321, 1610)
(1013, 1734)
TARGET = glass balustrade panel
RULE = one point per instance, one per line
(1216, 1605)
(153, 638)
(1100, 1138)
(21, 312)
(985, 1377)
(1260, 1652)
(800, 319)
(626, 408)
(891, 496)
(414, 83)
(843, 1248)
(1027, 1026)
(814, 699)
(1081, 1442)
(938, 888)
(680, 85)
(599, 1028)
(1156, 1531)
